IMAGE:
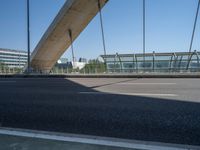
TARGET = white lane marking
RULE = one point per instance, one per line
(97, 93)
(149, 94)
(133, 94)
(146, 83)
(94, 140)
(8, 81)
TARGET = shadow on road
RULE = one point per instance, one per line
(57, 105)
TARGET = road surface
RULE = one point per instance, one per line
(163, 110)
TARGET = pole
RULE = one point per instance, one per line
(72, 47)
(144, 31)
(28, 36)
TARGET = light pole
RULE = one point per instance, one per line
(144, 31)
(28, 36)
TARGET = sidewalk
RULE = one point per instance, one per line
(24, 143)
(18, 139)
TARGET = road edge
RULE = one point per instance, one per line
(95, 140)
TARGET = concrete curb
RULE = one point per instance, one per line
(103, 76)
(95, 140)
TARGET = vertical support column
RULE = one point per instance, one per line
(153, 61)
(198, 61)
(120, 62)
(190, 59)
(28, 36)
(134, 65)
(179, 65)
(72, 47)
(170, 63)
(114, 64)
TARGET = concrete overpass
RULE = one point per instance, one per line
(75, 15)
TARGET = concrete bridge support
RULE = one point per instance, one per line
(75, 15)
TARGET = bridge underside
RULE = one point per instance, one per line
(74, 15)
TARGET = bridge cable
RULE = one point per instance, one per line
(71, 43)
(102, 33)
(102, 28)
(194, 28)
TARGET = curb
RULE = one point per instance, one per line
(105, 76)
(95, 140)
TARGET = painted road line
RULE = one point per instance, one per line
(146, 83)
(149, 94)
(133, 94)
(95, 93)
(95, 140)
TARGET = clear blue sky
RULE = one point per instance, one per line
(169, 26)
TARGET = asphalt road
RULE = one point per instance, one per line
(164, 110)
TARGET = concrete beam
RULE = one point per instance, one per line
(74, 15)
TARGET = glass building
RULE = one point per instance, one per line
(153, 62)
(13, 58)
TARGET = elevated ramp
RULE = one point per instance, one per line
(74, 15)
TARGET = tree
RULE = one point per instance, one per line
(94, 66)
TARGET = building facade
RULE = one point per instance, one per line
(13, 58)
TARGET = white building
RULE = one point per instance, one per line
(13, 58)
(78, 65)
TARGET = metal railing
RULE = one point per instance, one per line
(179, 62)
(154, 62)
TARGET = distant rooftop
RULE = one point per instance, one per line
(12, 50)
